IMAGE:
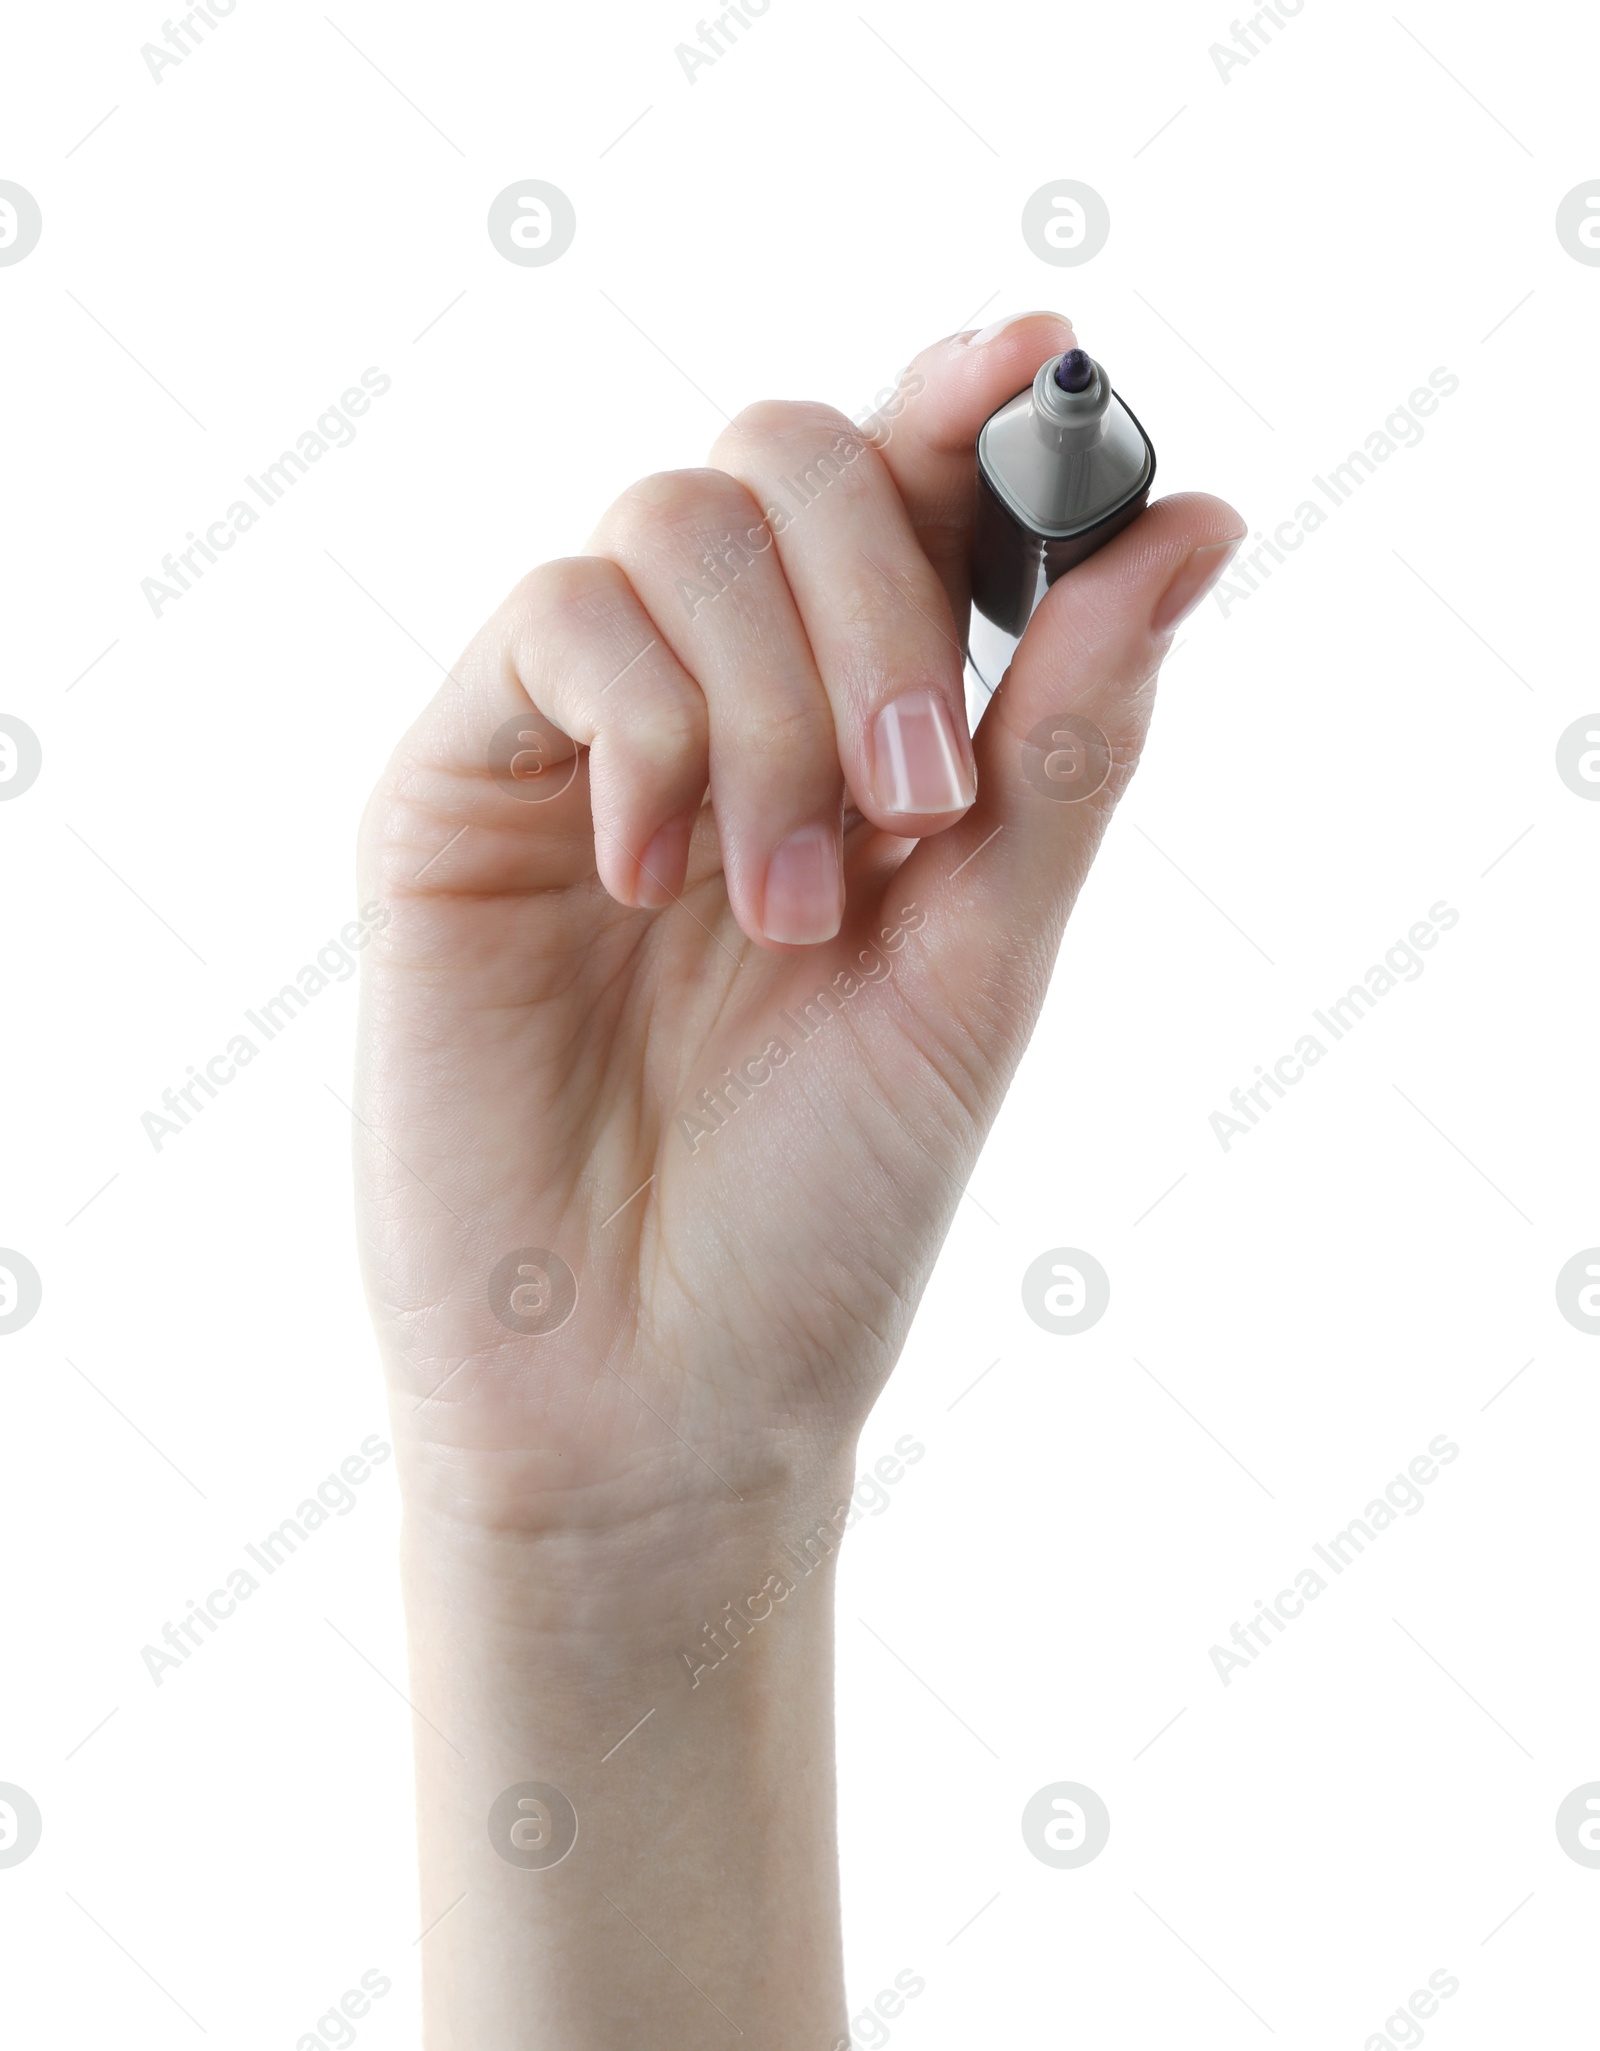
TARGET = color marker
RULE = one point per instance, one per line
(1062, 467)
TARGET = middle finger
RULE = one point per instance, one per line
(874, 609)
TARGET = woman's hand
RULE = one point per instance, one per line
(731, 1062)
(664, 1109)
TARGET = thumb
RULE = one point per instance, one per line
(1061, 739)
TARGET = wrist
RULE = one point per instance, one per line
(630, 1582)
(614, 1500)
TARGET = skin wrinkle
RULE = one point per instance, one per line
(883, 1094)
(877, 610)
(890, 1277)
(931, 1041)
(912, 1018)
(712, 1318)
(950, 1183)
(521, 1013)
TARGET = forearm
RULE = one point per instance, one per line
(700, 1896)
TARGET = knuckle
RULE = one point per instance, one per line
(770, 420)
(873, 611)
(691, 500)
(575, 591)
(816, 442)
(896, 610)
(659, 731)
(787, 729)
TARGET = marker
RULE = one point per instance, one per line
(1062, 467)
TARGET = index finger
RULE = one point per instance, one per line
(927, 433)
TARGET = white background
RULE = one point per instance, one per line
(1294, 252)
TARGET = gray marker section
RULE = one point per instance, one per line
(1059, 473)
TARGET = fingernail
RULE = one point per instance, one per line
(998, 327)
(1193, 580)
(920, 762)
(664, 864)
(804, 898)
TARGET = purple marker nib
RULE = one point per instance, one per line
(1075, 371)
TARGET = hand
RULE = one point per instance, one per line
(730, 1063)
(721, 1070)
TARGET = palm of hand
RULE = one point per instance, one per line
(746, 1161)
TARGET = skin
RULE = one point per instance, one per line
(555, 983)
